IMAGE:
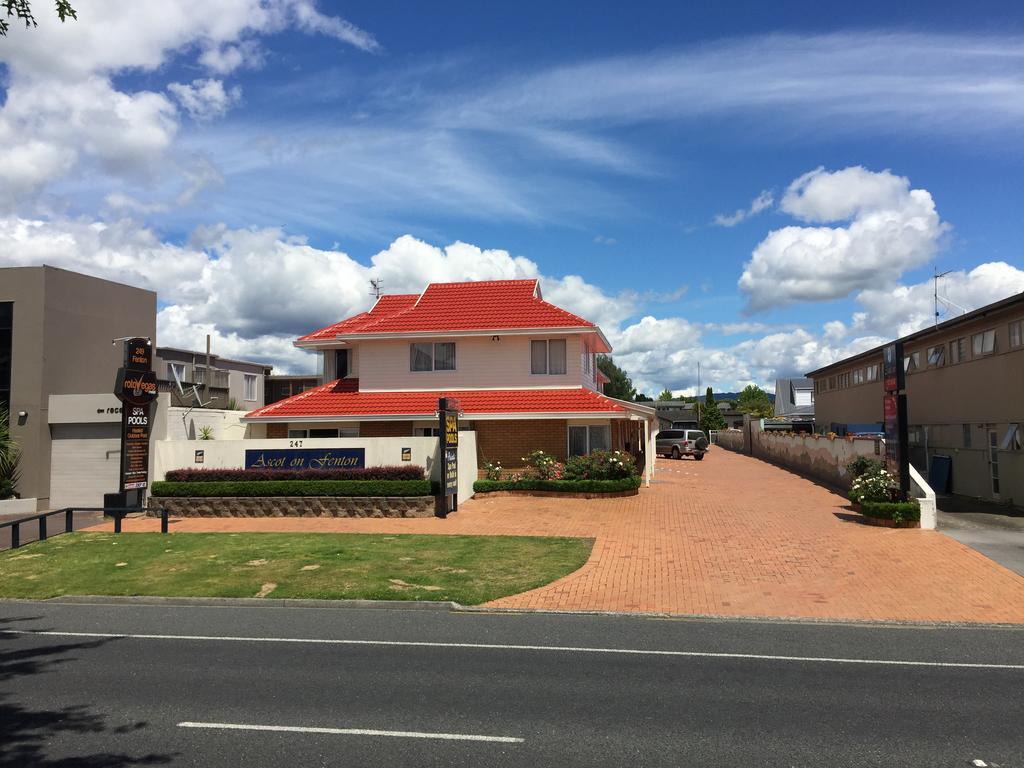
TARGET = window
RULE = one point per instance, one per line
(958, 350)
(547, 357)
(427, 432)
(983, 343)
(831, 382)
(176, 368)
(967, 435)
(323, 433)
(872, 372)
(297, 433)
(912, 362)
(937, 356)
(583, 440)
(250, 386)
(858, 376)
(439, 356)
(340, 363)
(844, 380)
(1016, 338)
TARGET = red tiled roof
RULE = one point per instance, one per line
(336, 399)
(473, 306)
(386, 306)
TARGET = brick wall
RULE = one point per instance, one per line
(508, 441)
(385, 429)
(277, 430)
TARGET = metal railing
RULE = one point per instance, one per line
(41, 518)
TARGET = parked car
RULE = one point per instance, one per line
(682, 442)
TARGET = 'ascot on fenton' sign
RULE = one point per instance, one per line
(305, 458)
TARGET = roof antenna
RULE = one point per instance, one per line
(376, 283)
(935, 276)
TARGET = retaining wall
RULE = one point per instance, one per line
(820, 457)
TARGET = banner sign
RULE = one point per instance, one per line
(448, 450)
(305, 458)
(894, 411)
(135, 386)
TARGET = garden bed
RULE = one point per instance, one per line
(258, 488)
(887, 514)
(573, 489)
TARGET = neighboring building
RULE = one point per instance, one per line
(523, 370)
(676, 414)
(56, 333)
(281, 386)
(794, 402)
(965, 380)
(239, 383)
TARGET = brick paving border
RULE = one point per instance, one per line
(729, 536)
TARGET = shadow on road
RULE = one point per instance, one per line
(26, 733)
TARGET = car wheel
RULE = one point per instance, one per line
(675, 452)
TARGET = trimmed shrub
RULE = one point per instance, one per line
(862, 465)
(542, 466)
(897, 511)
(294, 488)
(561, 486)
(411, 472)
(601, 465)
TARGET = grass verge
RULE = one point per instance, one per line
(336, 566)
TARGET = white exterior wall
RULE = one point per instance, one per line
(185, 423)
(380, 451)
(480, 364)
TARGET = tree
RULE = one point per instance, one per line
(22, 11)
(642, 398)
(711, 417)
(9, 455)
(666, 394)
(755, 401)
(620, 385)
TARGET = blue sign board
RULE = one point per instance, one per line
(305, 458)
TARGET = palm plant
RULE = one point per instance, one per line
(9, 455)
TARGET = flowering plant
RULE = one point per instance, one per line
(543, 465)
(601, 465)
(492, 470)
(874, 485)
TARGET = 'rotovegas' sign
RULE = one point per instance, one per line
(136, 388)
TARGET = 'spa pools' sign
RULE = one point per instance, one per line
(305, 458)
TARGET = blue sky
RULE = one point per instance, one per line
(230, 158)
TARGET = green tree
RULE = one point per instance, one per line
(666, 394)
(620, 385)
(22, 11)
(9, 455)
(710, 416)
(642, 398)
(755, 401)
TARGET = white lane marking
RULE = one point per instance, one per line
(499, 647)
(353, 732)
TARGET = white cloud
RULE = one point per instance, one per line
(206, 98)
(758, 204)
(892, 228)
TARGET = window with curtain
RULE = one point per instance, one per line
(547, 357)
(432, 357)
(593, 437)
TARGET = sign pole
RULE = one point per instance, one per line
(897, 457)
(448, 452)
(136, 388)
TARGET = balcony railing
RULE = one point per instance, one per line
(217, 379)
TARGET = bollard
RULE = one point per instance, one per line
(15, 536)
(42, 528)
(69, 521)
(117, 521)
(163, 520)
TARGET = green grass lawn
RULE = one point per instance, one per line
(467, 569)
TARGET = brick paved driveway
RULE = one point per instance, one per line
(727, 536)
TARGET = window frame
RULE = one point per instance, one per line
(984, 336)
(938, 352)
(247, 379)
(958, 350)
(1019, 326)
(433, 356)
(588, 428)
(547, 357)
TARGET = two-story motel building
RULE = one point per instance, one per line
(965, 398)
(523, 370)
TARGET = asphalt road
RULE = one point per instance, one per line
(117, 685)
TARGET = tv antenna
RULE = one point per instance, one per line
(376, 283)
(935, 294)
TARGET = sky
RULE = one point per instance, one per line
(757, 188)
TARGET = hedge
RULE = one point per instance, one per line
(890, 510)
(295, 488)
(407, 472)
(563, 486)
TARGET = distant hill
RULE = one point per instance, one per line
(733, 396)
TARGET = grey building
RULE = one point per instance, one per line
(676, 414)
(224, 383)
(56, 329)
(794, 401)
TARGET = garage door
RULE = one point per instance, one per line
(84, 462)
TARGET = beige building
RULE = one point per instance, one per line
(965, 398)
(224, 383)
(56, 329)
